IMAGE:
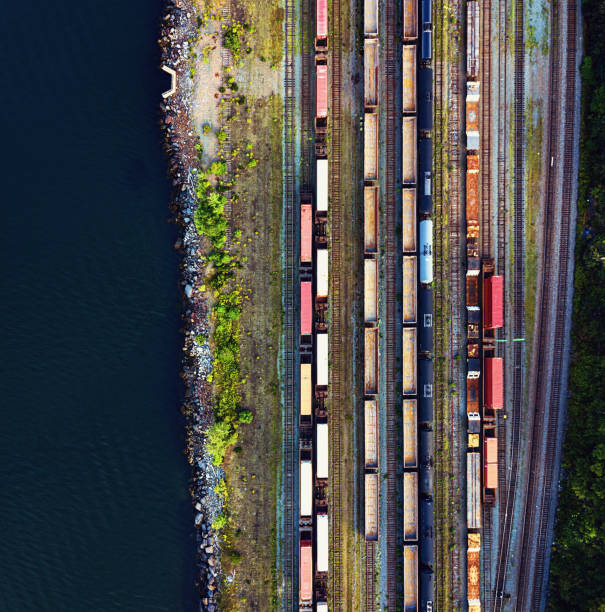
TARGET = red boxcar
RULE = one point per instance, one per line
(306, 570)
(306, 233)
(493, 305)
(321, 91)
(491, 476)
(306, 308)
(493, 392)
(321, 21)
(490, 450)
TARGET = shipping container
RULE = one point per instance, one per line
(306, 233)
(322, 371)
(370, 290)
(306, 308)
(472, 292)
(371, 361)
(371, 433)
(493, 390)
(306, 488)
(410, 506)
(491, 476)
(426, 252)
(493, 305)
(472, 195)
(370, 18)
(370, 65)
(370, 219)
(305, 389)
(410, 19)
(321, 23)
(425, 330)
(306, 570)
(408, 153)
(323, 537)
(490, 450)
(472, 396)
(321, 91)
(408, 77)
(472, 40)
(410, 283)
(410, 582)
(472, 116)
(321, 199)
(322, 443)
(371, 506)
(410, 433)
(408, 213)
(370, 147)
(322, 273)
(473, 490)
(409, 361)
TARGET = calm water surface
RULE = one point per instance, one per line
(94, 510)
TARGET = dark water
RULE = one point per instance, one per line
(94, 509)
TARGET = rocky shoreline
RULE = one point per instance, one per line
(177, 29)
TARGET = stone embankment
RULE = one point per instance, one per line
(178, 28)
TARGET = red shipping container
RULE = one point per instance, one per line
(321, 91)
(321, 19)
(306, 571)
(493, 305)
(490, 450)
(491, 476)
(306, 233)
(306, 308)
(493, 392)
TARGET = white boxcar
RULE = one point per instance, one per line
(426, 252)
(321, 199)
(370, 18)
(370, 290)
(322, 360)
(322, 273)
(322, 443)
(306, 488)
(323, 537)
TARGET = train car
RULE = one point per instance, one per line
(472, 194)
(370, 290)
(425, 328)
(306, 488)
(472, 293)
(306, 308)
(426, 45)
(370, 18)
(371, 433)
(408, 213)
(306, 569)
(472, 116)
(490, 463)
(493, 304)
(425, 99)
(321, 362)
(322, 539)
(322, 606)
(370, 220)
(425, 378)
(410, 283)
(409, 163)
(321, 25)
(426, 197)
(321, 195)
(371, 506)
(425, 157)
(410, 20)
(306, 233)
(370, 147)
(427, 542)
(473, 490)
(321, 94)
(472, 404)
(473, 571)
(473, 327)
(370, 71)
(410, 506)
(493, 383)
(426, 252)
(322, 273)
(409, 361)
(322, 446)
(371, 361)
(427, 15)
(473, 263)
(426, 462)
(410, 434)
(306, 390)
(410, 578)
(427, 589)
(472, 40)
(408, 78)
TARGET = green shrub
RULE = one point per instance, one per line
(245, 416)
(219, 522)
(219, 438)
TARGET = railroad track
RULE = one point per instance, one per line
(542, 495)
(485, 131)
(507, 504)
(290, 510)
(370, 575)
(337, 393)
(390, 358)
